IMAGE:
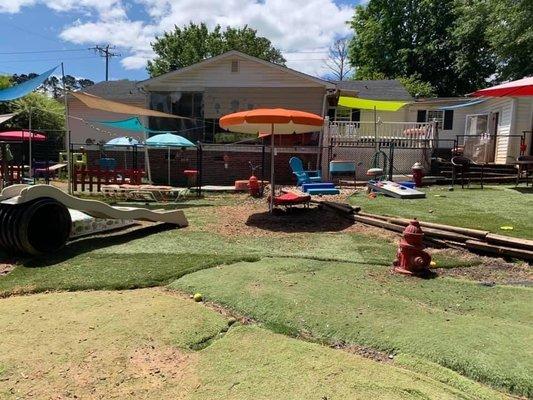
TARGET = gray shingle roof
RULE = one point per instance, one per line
(121, 89)
(385, 89)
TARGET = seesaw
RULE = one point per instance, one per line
(39, 219)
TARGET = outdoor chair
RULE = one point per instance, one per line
(524, 168)
(463, 166)
(302, 175)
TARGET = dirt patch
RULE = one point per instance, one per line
(488, 271)
(365, 352)
(6, 267)
(250, 217)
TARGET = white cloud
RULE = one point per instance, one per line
(300, 28)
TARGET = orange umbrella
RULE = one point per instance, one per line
(272, 121)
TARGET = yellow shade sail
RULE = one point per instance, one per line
(367, 104)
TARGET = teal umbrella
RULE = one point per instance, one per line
(168, 140)
(123, 141)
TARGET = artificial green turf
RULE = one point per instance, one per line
(107, 271)
(137, 344)
(488, 209)
(481, 332)
(250, 363)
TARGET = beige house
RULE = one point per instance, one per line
(228, 83)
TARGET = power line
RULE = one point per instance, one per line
(47, 59)
(41, 51)
(107, 54)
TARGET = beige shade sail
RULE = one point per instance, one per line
(98, 103)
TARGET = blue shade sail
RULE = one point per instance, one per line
(18, 91)
(130, 124)
(462, 105)
(169, 140)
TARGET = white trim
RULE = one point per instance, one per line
(233, 53)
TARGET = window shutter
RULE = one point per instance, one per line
(356, 115)
(448, 120)
(421, 116)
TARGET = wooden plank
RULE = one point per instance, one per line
(479, 234)
(510, 241)
(500, 250)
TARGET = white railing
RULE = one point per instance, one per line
(404, 134)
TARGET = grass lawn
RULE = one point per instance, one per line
(481, 332)
(488, 209)
(326, 281)
(137, 344)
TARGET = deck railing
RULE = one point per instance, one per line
(403, 134)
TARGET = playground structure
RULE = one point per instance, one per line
(36, 219)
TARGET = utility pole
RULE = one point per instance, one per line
(105, 51)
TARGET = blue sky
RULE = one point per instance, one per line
(41, 27)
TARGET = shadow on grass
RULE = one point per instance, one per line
(299, 220)
(524, 190)
(89, 244)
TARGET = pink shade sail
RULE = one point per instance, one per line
(22, 136)
(521, 87)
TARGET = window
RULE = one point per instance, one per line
(185, 104)
(443, 117)
(436, 115)
(477, 125)
(344, 114)
(234, 66)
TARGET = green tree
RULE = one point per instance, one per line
(193, 43)
(417, 87)
(407, 38)
(510, 33)
(47, 114)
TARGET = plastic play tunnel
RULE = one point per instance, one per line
(38, 227)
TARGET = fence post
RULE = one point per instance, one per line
(391, 160)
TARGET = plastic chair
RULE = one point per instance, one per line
(302, 175)
(463, 165)
(524, 169)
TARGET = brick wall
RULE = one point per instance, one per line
(215, 171)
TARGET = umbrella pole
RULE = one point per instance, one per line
(168, 166)
(272, 162)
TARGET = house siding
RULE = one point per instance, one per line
(219, 101)
(218, 74)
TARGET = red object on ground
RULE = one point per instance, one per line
(411, 258)
(253, 186)
(290, 199)
(191, 175)
(241, 185)
(521, 87)
(418, 173)
(22, 136)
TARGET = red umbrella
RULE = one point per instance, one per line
(22, 135)
(521, 87)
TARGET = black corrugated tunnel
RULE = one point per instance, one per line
(38, 227)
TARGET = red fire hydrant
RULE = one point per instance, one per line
(418, 173)
(411, 259)
(253, 186)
